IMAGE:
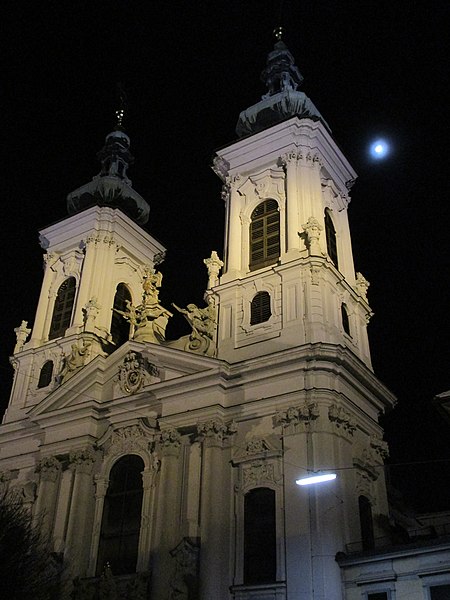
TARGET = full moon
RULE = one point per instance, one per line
(379, 149)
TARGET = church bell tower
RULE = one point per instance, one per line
(95, 262)
(289, 275)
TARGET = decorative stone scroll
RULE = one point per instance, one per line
(128, 439)
(135, 372)
(342, 419)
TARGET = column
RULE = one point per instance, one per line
(49, 469)
(289, 162)
(215, 509)
(166, 526)
(101, 487)
(81, 511)
(148, 510)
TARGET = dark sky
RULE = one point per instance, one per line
(373, 68)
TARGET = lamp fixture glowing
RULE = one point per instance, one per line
(318, 478)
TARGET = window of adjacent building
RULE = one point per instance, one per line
(62, 311)
(264, 235)
(378, 596)
(440, 592)
(330, 234)
(259, 536)
(45, 376)
(119, 534)
(366, 522)
(260, 308)
(120, 328)
(345, 319)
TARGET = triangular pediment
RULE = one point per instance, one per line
(132, 370)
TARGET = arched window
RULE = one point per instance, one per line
(345, 319)
(260, 308)
(264, 235)
(45, 376)
(365, 519)
(121, 521)
(62, 311)
(330, 233)
(260, 557)
(120, 328)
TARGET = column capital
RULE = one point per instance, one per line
(48, 468)
(294, 416)
(215, 431)
(82, 460)
(169, 441)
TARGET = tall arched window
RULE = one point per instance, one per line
(120, 328)
(330, 233)
(45, 376)
(62, 311)
(260, 308)
(260, 556)
(264, 235)
(345, 319)
(121, 521)
(366, 522)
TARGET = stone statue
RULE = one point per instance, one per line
(22, 333)
(74, 361)
(203, 323)
(90, 312)
(149, 318)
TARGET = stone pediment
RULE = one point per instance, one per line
(131, 370)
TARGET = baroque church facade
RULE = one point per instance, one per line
(167, 469)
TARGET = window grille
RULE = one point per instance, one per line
(121, 521)
(366, 522)
(45, 376)
(120, 328)
(62, 311)
(260, 308)
(330, 233)
(345, 319)
(259, 536)
(264, 235)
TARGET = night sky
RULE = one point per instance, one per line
(373, 68)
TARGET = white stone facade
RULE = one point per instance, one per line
(267, 402)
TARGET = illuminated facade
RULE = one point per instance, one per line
(167, 469)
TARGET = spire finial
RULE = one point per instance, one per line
(278, 33)
(120, 111)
